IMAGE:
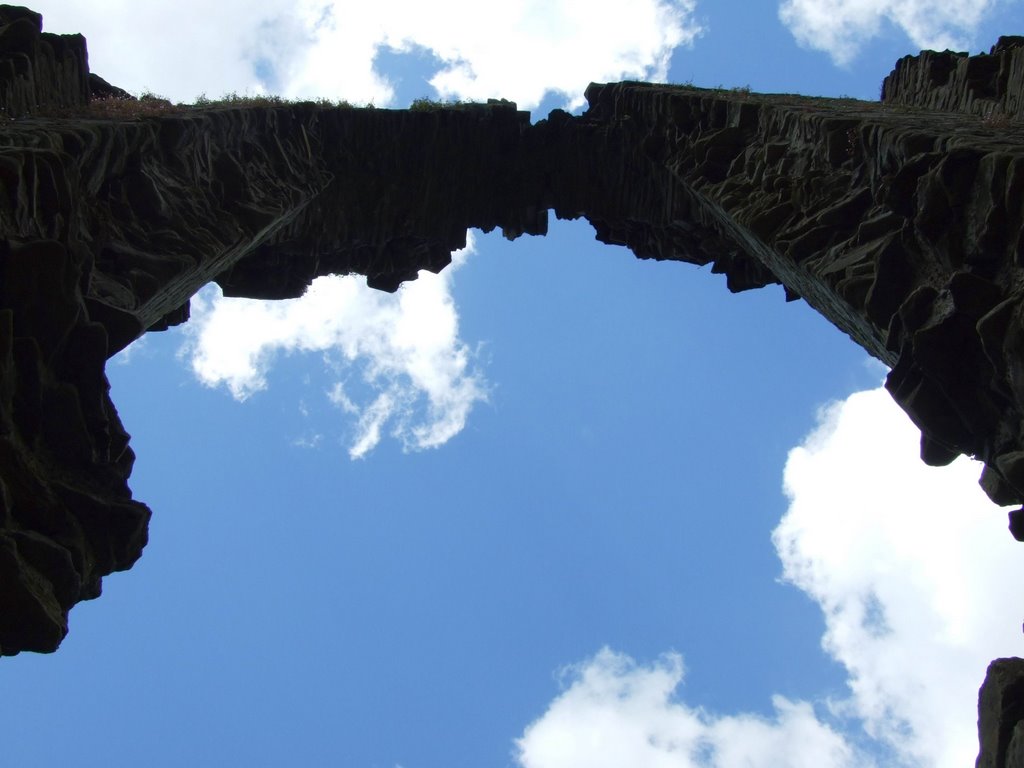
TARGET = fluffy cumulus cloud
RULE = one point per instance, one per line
(179, 49)
(418, 372)
(515, 50)
(616, 713)
(841, 27)
(910, 566)
(518, 49)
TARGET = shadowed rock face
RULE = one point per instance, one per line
(67, 517)
(901, 222)
(1001, 715)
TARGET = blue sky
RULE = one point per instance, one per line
(555, 507)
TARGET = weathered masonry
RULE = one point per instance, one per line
(901, 221)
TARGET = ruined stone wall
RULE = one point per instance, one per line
(38, 68)
(67, 517)
(1001, 715)
(901, 222)
(903, 227)
(989, 86)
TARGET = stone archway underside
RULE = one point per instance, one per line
(902, 222)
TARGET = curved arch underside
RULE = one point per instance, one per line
(900, 221)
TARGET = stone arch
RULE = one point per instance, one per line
(898, 221)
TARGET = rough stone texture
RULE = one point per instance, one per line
(1015, 750)
(1001, 715)
(39, 69)
(984, 86)
(66, 514)
(903, 228)
(902, 222)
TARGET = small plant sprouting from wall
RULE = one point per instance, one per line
(262, 100)
(148, 104)
(430, 105)
(996, 121)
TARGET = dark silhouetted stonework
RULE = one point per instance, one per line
(901, 221)
(67, 517)
(955, 82)
(1001, 715)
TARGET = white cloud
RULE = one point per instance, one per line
(841, 27)
(178, 49)
(517, 50)
(910, 565)
(406, 346)
(137, 348)
(616, 713)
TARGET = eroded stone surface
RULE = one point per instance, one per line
(986, 86)
(67, 517)
(39, 69)
(902, 227)
(1001, 715)
(901, 222)
(66, 514)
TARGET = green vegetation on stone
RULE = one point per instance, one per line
(149, 104)
(430, 105)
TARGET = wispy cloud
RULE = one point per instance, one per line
(909, 565)
(137, 348)
(842, 27)
(404, 347)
